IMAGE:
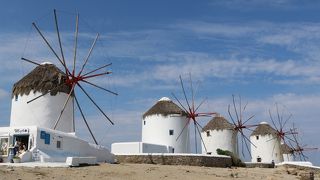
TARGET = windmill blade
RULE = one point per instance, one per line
(192, 93)
(85, 120)
(59, 39)
(89, 53)
(271, 118)
(249, 119)
(104, 114)
(204, 145)
(245, 107)
(289, 138)
(184, 93)
(240, 109)
(242, 151)
(183, 129)
(234, 123)
(247, 138)
(30, 61)
(75, 44)
(100, 87)
(204, 100)
(285, 122)
(96, 75)
(179, 102)
(198, 125)
(245, 142)
(64, 107)
(49, 91)
(235, 109)
(279, 119)
(97, 69)
(50, 47)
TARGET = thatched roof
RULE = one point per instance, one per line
(285, 149)
(218, 123)
(164, 107)
(43, 78)
(264, 129)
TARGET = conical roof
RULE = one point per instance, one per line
(285, 149)
(218, 123)
(43, 78)
(263, 129)
(165, 107)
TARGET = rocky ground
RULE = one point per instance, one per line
(149, 171)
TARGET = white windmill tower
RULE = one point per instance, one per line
(163, 122)
(267, 144)
(219, 133)
(45, 78)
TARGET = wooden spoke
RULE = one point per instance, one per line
(30, 61)
(99, 87)
(85, 121)
(59, 39)
(97, 69)
(89, 53)
(64, 107)
(98, 107)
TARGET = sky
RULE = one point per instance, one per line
(266, 51)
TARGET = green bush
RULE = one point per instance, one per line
(236, 161)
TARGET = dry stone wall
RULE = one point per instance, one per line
(208, 161)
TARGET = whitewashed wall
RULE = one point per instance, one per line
(267, 148)
(223, 139)
(70, 145)
(138, 148)
(155, 130)
(288, 157)
(43, 112)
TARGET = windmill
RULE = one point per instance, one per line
(74, 78)
(192, 112)
(297, 148)
(282, 133)
(240, 123)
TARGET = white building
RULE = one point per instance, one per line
(161, 126)
(218, 133)
(31, 124)
(163, 123)
(267, 145)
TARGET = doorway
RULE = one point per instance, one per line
(23, 139)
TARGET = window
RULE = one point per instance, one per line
(59, 144)
(259, 159)
(208, 133)
(209, 153)
(16, 97)
(171, 132)
(257, 137)
(144, 122)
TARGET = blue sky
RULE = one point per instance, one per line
(265, 51)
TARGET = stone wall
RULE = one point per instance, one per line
(208, 161)
(259, 165)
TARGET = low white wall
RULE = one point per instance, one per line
(71, 146)
(138, 148)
